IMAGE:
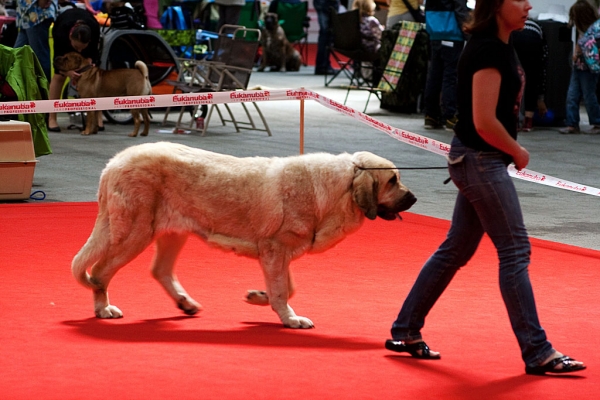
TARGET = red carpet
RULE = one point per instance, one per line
(54, 348)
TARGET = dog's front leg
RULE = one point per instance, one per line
(263, 60)
(168, 247)
(91, 125)
(260, 298)
(275, 263)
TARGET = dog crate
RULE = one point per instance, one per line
(17, 160)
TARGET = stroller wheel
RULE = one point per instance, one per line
(121, 117)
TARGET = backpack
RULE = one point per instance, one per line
(589, 47)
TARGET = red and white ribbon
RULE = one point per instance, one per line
(179, 99)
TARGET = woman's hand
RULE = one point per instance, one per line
(521, 158)
(74, 77)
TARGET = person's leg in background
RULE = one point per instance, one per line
(573, 99)
(323, 9)
(433, 87)
(37, 37)
(229, 15)
(589, 82)
(56, 86)
(450, 54)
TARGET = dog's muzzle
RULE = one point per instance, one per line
(404, 204)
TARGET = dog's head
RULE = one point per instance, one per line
(271, 22)
(70, 62)
(377, 189)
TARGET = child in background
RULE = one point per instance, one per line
(583, 82)
(370, 28)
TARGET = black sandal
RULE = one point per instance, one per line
(567, 366)
(412, 349)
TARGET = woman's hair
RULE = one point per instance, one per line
(483, 18)
(365, 7)
(81, 32)
(582, 14)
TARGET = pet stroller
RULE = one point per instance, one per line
(121, 48)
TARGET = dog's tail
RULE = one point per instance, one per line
(93, 250)
(144, 70)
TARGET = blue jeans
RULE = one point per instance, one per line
(37, 37)
(487, 203)
(441, 80)
(322, 7)
(582, 84)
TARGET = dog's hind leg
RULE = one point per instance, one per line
(137, 122)
(168, 247)
(146, 118)
(260, 298)
(103, 271)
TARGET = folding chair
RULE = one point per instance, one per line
(296, 22)
(229, 69)
(348, 52)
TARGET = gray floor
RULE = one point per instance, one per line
(71, 174)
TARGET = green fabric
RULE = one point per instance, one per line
(23, 72)
(249, 15)
(293, 16)
(175, 37)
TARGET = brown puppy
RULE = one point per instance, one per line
(96, 82)
(278, 53)
(271, 209)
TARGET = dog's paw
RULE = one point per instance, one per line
(298, 323)
(188, 306)
(257, 298)
(109, 312)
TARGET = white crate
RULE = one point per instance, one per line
(17, 160)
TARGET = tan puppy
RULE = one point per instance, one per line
(96, 82)
(278, 52)
(272, 209)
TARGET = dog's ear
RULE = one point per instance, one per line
(364, 192)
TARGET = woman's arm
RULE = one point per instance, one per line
(486, 90)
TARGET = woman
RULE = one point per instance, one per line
(583, 82)
(34, 18)
(74, 30)
(399, 11)
(490, 87)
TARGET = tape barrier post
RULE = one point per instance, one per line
(301, 126)
(174, 100)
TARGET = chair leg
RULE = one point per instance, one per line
(250, 120)
(220, 115)
(166, 116)
(262, 117)
(233, 120)
(207, 119)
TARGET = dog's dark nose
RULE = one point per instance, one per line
(407, 201)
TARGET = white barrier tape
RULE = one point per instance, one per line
(178, 100)
(442, 149)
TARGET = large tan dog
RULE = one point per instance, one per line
(278, 52)
(272, 209)
(96, 82)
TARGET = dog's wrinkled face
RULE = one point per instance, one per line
(271, 22)
(377, 189)
(69, 62)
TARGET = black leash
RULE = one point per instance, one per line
(409, 168)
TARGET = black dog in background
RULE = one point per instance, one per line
(278, 52)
